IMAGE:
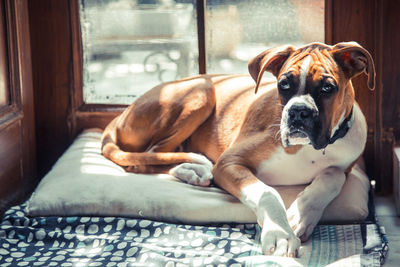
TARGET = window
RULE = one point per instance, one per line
(239, 30)
(129, 46)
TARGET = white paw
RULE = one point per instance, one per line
(193, 173)
(278, 242)
(200, 159)
(303, 218)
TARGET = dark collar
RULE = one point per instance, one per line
(343, 128)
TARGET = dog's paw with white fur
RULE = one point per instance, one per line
(193, 173)
(277, 241)
(201, 159)
(303, 216)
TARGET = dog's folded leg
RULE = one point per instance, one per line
(277, 238)
(307, 209)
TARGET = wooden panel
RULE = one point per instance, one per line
(10, 163)
(328, 21)
(52, 72)
(201, 35)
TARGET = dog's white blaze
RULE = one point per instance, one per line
(305, 65)
(306, 100)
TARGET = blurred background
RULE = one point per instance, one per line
(129, 46)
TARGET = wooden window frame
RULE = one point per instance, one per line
(83, 111)
(12, 112)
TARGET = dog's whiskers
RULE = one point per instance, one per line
(274, 126)
(277, 135)
(278, 120)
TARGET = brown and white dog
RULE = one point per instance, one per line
(305, 127)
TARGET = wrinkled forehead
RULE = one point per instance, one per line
(313, 64)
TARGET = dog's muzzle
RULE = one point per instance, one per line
(298, 122)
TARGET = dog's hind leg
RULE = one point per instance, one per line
(146, 135)
(198, 170)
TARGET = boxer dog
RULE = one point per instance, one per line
(305, 127)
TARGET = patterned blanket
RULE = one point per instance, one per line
(114, 241)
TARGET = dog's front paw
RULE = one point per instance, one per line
(193, 173)
(278, 242)
(303, 217)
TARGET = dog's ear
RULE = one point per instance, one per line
(270, 60)
(354, 59)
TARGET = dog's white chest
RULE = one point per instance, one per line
(294, 169)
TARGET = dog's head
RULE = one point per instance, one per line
(314, 87)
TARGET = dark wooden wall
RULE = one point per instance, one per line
(390, 95)
(359, 20)
(61, 113)
(52, 78)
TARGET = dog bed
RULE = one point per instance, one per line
(83, 182)
(88, 212)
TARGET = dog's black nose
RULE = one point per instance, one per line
(299, 113)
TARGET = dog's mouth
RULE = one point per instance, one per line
(297, 136)
(297, 133)
(292, 136)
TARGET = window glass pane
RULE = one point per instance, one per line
(129, 46)
(238, 30)
(4, 97)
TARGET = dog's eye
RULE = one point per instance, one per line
(284, 84)
(328, 88)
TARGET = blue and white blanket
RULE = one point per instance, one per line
(114, 241)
